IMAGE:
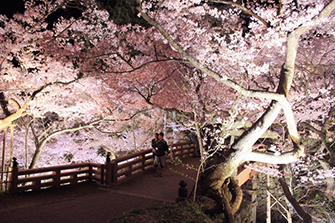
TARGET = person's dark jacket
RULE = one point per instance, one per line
(162, 148)
(154, 147)
(153, 143)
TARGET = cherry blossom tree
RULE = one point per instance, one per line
(47, 68)
(202, 48)
(212, 61)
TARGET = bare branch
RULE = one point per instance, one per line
(146, 64)
(300, 211)
(244, 9)
(39, 145)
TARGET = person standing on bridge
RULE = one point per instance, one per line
(162, 150)
(153, 145)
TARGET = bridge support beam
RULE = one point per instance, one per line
(277, 202)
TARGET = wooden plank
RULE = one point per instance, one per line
(243, 176)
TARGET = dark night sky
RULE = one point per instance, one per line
(120, 12)
(10, 7)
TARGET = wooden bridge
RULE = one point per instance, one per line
(119, 170)
(112, 172)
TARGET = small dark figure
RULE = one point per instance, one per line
(162, 149)
(154, 146)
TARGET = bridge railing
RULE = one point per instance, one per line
(116, 171)
(54, 176)
(126, 167)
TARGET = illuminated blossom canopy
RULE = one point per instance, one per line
(92, 65)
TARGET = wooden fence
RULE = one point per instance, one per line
(112, 172)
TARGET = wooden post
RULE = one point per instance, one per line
(143, 162)
(37, 184)
(109, 179)
(3, 154)
(13, 179)
(268, 199)
(182, 152)
(74, 179)
(254, 202)
(102, 174)
(11, 141)
(191, 151)
(56, 178)
(129, 171)
(114, 172)
(90, 173)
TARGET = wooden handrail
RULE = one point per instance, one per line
(131, 156)
(129, 166)
(56, 176)
(54, 168)
(118, 170)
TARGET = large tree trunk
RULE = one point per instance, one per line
(215, 184)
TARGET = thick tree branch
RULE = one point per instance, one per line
(284, 158)
(280, 97)
(287, 72)
(19, 112)
(229, 216)
(3, 104)
(250, 136)
(293, 42)
(215, 75)
(237, 195)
